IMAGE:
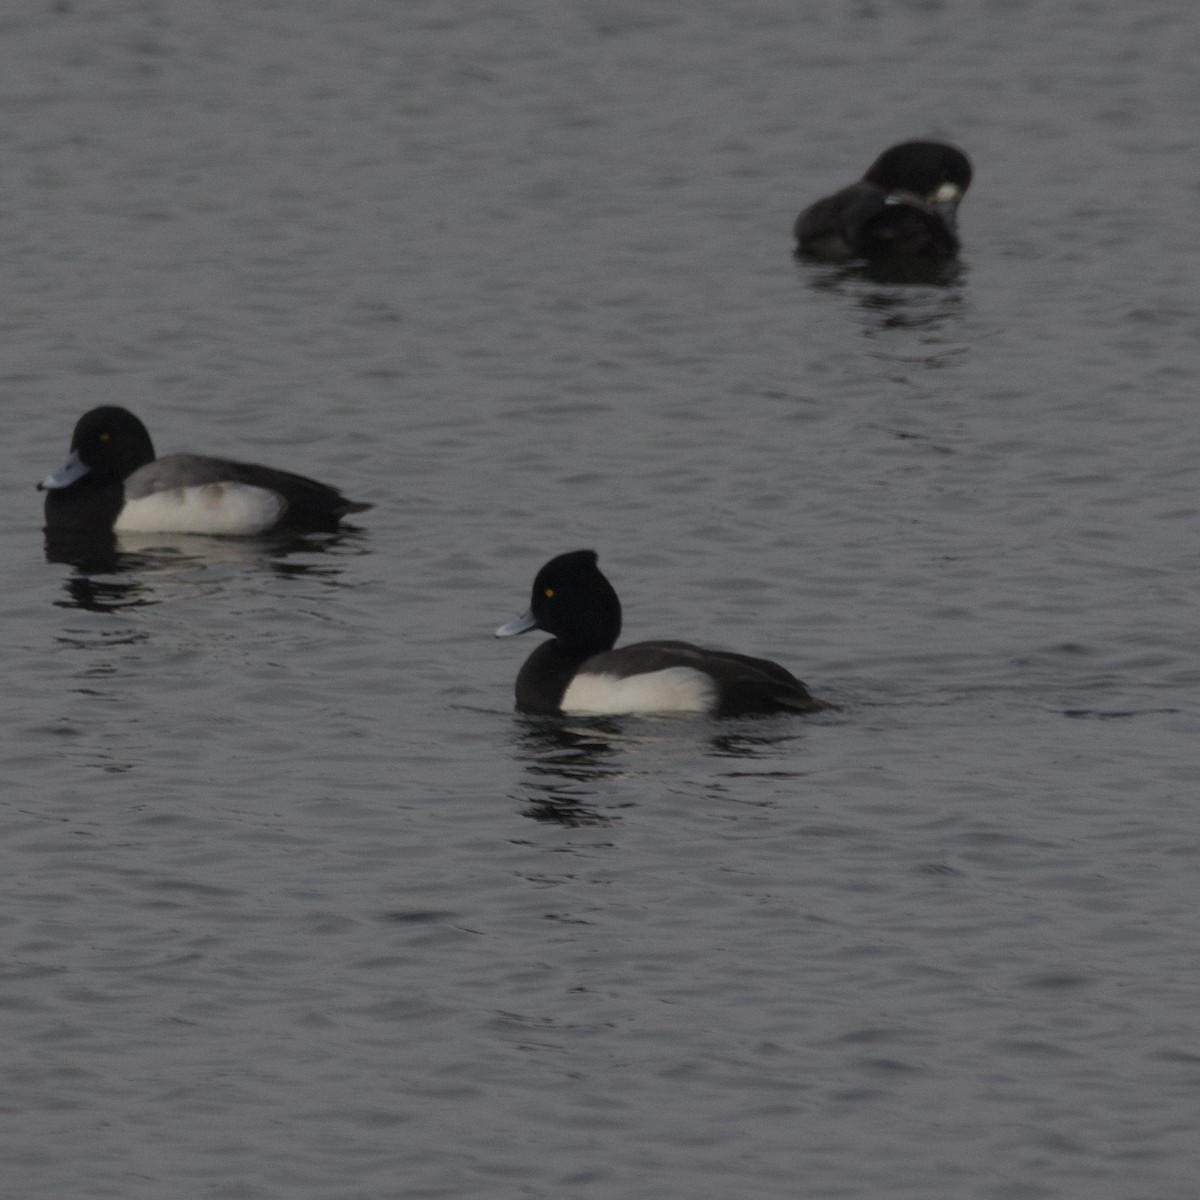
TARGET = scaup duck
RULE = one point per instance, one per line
(578, 671)
(904, 207)
(112, 481)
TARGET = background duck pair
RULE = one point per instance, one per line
(905, 208)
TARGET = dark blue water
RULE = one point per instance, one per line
(293, 906)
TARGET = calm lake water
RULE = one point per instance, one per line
(293, 905)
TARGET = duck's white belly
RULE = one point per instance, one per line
(673, 689)
(236, 509)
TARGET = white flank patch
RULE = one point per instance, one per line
(674, 689)
(947, 193)
(213, 508)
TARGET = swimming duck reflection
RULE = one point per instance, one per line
(582, 771)
(747, 744)
(116, 572)
(567, 766)
(933, 312)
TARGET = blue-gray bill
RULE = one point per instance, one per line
(74, 468)
(522, 624)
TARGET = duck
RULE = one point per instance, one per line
(113, 482)
(578, 672)
(905, 207)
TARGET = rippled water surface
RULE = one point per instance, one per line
(294, 907)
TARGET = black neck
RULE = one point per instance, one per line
(87, 504)
(544, 678)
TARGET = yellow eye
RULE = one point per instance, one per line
(549, 593)
(104, 437)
